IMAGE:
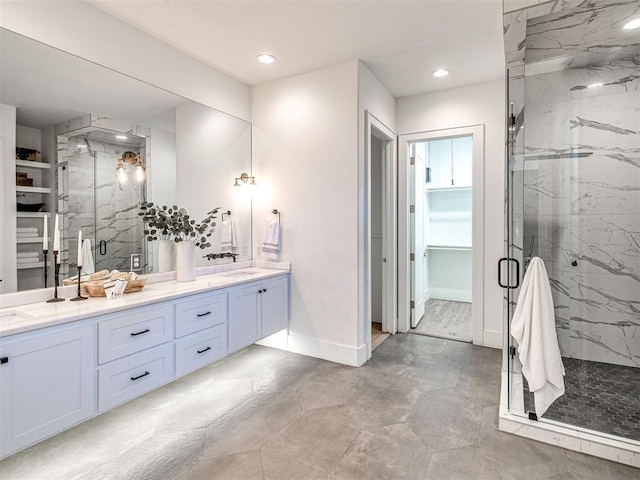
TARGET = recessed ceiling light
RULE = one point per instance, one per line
(595, 85)
(266, 58)
(442, 72)
(633, 24)
(122, 137)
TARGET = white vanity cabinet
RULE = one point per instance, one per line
(201, 331)
(46, 384)
(256, 311)
(134, 353)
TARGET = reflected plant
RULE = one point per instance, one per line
(174, 223)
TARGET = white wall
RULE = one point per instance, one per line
(86, 31)
(482, 103)
(305, 154)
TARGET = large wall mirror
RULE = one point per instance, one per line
(90, 144)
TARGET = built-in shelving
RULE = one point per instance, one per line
(447, 189)
(32, 214)
(25, 266)
(29, 240)
(30, 164)
(23, 189)
(449, 247)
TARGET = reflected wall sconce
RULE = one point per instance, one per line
(243, 179)
(134, 160)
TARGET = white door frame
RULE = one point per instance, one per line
(374, 127)
(404, 293)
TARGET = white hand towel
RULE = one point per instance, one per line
(228, 239)
(88, 266)
(534, 327)
(28, 255)
(271, 241)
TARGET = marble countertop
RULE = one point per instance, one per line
(33, 316)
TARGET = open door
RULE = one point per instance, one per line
(417, 255)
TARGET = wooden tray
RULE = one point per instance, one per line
(96, 289)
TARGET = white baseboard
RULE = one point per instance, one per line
(334, 352)
(492, 338)
(450, 294)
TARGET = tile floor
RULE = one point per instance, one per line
(422, 408)
(598, 396)
(446, 319)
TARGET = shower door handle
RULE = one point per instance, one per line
(103, 247)
(503, 285)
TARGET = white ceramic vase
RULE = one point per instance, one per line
(166, 256)
(186, 261)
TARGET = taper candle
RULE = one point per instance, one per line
(56, 236)
(45, 233)
(79, 248)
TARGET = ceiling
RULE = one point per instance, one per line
(401, 41)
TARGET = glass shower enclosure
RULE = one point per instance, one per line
(100, 194)
(573, 178)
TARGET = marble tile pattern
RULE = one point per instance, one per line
(266, 414)
(582, 205)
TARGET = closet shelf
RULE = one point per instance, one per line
(449, 247)
(450, 215)
(447, 189)
(29, 164)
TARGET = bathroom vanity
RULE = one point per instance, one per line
(63, 363)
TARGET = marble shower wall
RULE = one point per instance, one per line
(582, 204)
(100, 206)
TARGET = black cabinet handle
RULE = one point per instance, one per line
(259, 291)
(146, 330)
(204, 314)
(264, 290)
(103, 247)
(4, 360)
(205, 350)
(140, 376)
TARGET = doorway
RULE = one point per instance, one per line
(381, 239)
(440, 233)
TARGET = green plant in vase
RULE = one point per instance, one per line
(174, 223)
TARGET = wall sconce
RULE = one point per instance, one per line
(133, 160)
(244, 178)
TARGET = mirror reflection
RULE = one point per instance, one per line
(90, 144)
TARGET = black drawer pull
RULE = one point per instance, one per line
(264, 290)
(203, 314)
(205, 350)
(4, 360)
(140, 376)
(259, 291)
(146, 330)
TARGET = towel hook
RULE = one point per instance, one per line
(228, 212)
(276, 212)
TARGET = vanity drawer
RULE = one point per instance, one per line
(130, 377)
(200, 349)
(133, 332)
(200, 312)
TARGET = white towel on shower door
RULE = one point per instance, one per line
(271, 241)
(228, 239)
(534, 327)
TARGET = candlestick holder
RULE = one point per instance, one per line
(56, 273)
(45, 252)
(79, 297)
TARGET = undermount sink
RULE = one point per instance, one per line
(237, 273)
(12, 315)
